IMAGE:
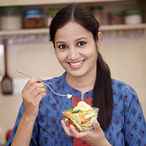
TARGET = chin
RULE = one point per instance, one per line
(77, 74)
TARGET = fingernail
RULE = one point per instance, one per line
(71, 127)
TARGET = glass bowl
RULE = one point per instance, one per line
(81, 120)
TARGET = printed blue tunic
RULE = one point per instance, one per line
(128, 127)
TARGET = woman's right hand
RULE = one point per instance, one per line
(32, 94)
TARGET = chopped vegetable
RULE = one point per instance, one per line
(69, 96)
(68, 114)
(82, 116)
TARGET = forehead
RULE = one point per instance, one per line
(72, 30)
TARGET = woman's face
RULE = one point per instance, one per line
(76, 50)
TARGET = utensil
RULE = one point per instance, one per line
(6, 81)
(68, 95)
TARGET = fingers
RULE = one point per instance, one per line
(93, 137)
(96, 125)
(71, 131)
(34, 87)
(32, 81)
(32, 94)
(65, 127)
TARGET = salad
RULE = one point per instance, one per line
(81, 116)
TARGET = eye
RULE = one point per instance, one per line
(81, 43)
(62, 46)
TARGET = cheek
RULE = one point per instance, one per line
(93, 56)
(60, 56)
(90, 53)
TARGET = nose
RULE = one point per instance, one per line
(73, 53)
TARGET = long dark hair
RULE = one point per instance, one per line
(102, 92)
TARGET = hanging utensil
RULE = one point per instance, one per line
(6, 81)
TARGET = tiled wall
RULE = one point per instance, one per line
(35, 59)
(126, 58)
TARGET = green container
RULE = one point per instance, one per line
(96, 8)
(115, 17)
(52, 11)
(49, 16)
(11, 17)
(97, 13)
(133, 16)
(133, 11)
(10, 8)
(115, 13)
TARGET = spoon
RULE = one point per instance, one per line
(68, 95)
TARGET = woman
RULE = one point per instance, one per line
(76, 38)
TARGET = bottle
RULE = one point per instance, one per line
(97, 13)
(133, 16)
(11, 18)
(115, 17)
(33, 18)
(49, 16)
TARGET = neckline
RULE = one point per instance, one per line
(74, 91)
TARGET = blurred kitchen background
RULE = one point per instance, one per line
(24, 33)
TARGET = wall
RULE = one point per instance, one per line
(125, 55)
(127, 60)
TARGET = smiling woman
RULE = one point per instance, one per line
(76, 39)
(73, 52)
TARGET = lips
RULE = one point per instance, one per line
(76, 64)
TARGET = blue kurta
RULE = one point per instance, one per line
(128, 127)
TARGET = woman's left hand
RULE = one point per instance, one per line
(95, 137)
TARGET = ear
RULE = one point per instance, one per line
(99, 39)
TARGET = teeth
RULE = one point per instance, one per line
(75, 64)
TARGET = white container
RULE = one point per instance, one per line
(50, 14)
(133, 16)
(97, 13)
(10, 18)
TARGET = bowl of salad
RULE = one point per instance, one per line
(81, 116)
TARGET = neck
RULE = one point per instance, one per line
(83, 84)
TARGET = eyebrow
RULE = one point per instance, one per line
(75, 40)
(60, 42)
(80, 38)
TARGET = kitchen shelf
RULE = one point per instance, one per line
(47, 2)
(123, 27)
(24, 31)
(46, 30)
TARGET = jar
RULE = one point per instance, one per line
(10, 18)
(97, 13)
(33, 18)
(133, 16)
(49, 16)
(115, 17)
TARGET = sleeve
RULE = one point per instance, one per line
(34, 137)
(134, 122)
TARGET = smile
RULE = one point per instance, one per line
(76, 64)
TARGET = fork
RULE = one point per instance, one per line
(68, 95)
